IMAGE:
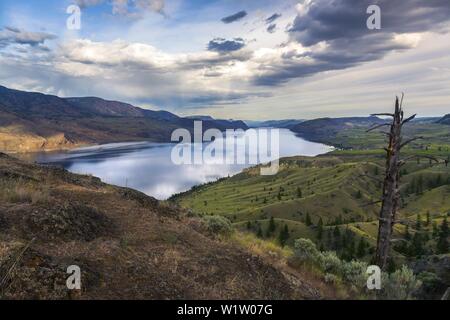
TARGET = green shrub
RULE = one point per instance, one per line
(306, 250)
(354, 273)
(218, 225)
(330, 262)
(331, 278)
(400, 285)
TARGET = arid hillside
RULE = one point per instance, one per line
(31, 121)
(128, 245)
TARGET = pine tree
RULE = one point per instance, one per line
(435, 230)
(299, 193)
(417, 245)
(259, 234)
(428, 219)
(418, 223)
(308, 220)
(336, 232)
(442, 243)
(375, 171)
(284, 235)
(272, 225)
(351, 248)
(320, 229)
(361, 252)
(407, 234)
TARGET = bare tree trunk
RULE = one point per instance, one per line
(390, 197)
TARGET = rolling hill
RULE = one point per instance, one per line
(332, 200)
(34, 122)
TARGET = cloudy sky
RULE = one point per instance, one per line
(246, 59)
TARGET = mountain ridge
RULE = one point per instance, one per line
(32, 121)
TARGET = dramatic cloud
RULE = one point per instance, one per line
(272, 18)
(328, 20)
(11, 35)
(135, 72)
(223, 45)
(333, 35)
(286, 53)
(235, 17)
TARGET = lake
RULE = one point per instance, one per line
(148, 167)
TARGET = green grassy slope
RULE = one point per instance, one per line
(328, 190)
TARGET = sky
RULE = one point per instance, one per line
(246, 59)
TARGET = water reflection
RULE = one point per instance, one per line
(148, 167)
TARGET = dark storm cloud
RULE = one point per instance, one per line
(272, 18)
(329, 20)
(235, 17)
(341, 24)
(223, 45)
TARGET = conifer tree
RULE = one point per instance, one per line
(259, 233)
(418, 223)
(442, 243)
(284, 235)
(407, 234)
(308, 220)
(272, 225)
(361, 252)
(320, 229)
(299, 193)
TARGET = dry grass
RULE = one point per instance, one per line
(22, 192)
(284, 259)
(261, 247)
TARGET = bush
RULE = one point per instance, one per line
(330, 262)
(354, 272)
(400, 285)
(331, 278)
(218, 225)
(306, 250)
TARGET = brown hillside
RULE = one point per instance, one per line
(128, 245)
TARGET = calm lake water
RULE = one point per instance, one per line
(148, 167)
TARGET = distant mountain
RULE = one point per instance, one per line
(32, 121)
(425, 119)
(288, 123)
(237, 124)
(445, 119)
(322, 129)
(200, 118)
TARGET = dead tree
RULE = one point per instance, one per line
(390, 200)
